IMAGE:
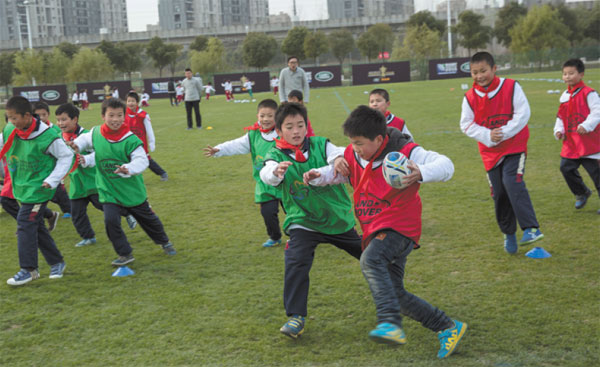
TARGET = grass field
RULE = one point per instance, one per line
(218, 302)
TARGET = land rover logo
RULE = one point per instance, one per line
(466, 67)
(50, 95)
(324, 76)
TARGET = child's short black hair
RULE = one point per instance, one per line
(576, 63)
(289, 109)
(115, 103)
(381, 92)
(365, 121)
(20, 105)
(483, 56)
(296, 94)
(69, 109)
(188, 69)
(41, 106)
(267, 103)
(134, 95)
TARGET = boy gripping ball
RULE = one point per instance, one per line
(578, 126)
(495, 112)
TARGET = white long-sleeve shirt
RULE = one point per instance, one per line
(434, 167)
(240, 145)
(59, 150)
(590, 123)
(151, 139)
(521, 114)
(139, 159)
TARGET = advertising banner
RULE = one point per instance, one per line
(260, 82)
(158, 87)
(97, 91)
(324, 76)
(449, 68)
(384, 72)
(51, 94)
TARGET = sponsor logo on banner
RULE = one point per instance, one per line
(466, 67)
(160, 87)
(324, 76)
(447, 68)
(32, 95)
(51, 95)
(381, 75)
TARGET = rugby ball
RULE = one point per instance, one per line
(395, 168)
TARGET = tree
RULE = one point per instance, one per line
(199, 43)
(420, 44)
(569, 18)
(113, 52)
(29, 65)
(211, 59)
(383, 36)
(367, 45)
(160, 53)
(425, 17)
(258, 49)
(341, 43)
(7, 70)
(88, 65)
(174, 51)
(592, 24)
(68, 49)
(508, 16)
(315, 44)
(538, 32)
(293, 44)
(472, 34)
(56, 65)
(132, 60)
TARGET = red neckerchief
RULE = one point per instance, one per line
(387, 113)
(572, 90)
(483, 106)
(23, 134)
(368, 171)
(114, 135)
(71, 136)
(257, 126)
(282, 144)
(131, 113)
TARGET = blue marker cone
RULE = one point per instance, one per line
(538, 253)
(123, 271)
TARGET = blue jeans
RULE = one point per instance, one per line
(382, 264)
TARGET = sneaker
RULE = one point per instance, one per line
(510, 243)
(85, 242)
(164, 177)
(530, 235)
(67, 215)
(169, 249)
(271, 243)
(294, 327)
(131, 221)
(581, 200)
(123, 260)
(199, 127)
(57, 270)
(23, 276)
(449, 338)
(388, 334)
(52, 221)
(189, 128)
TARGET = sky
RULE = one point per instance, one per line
(142, 12)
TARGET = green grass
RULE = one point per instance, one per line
(219, 301)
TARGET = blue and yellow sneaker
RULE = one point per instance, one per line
(581, 200)
(510, 243)
(272, 243)
(449, 338)
(388, 334)
(530, 235)
(294, 327)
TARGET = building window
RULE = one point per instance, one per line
(177, 17)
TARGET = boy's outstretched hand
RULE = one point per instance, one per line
(281, 169)
(210, 151)
(121, 169)
(310, 175)
(414, 176)
(341, 167)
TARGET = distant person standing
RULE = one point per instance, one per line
(192, 88)
(172, 92)
(292, 77)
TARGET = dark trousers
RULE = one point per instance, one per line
(173, 98)
(568, 168)
(154, 167)
(269, 211)
(79, 216)
(382, 264)
(62, 199)
(511, 198)
(31, 234)
(188, 109)
(145, 217)
(11, 206)
(299, 255)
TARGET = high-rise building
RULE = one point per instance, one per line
(81, 17)
(369, 8)
(176, 14)
(113, 15)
